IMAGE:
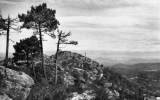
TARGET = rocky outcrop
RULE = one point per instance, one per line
(16, 86)
(83, 77)
(87, 95)
(92, 84)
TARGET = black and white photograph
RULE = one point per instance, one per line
(79, 49)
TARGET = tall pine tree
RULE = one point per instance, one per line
(43, 20)
(6, 25)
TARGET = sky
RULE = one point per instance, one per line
(107, 25)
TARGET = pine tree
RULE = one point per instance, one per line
(26, 49)
(41, 19)
(7, 24)
(62, 40)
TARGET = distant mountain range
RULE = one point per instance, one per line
(136, 68)
(129, 61)
(115, 57)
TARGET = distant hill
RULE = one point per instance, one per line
(145, 74)
(121, 68)
(109, 58)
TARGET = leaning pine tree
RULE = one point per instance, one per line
(41, 19)
(62, 40)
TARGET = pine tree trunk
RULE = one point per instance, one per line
(56, 56)
(33, 67)
(27, 59)
(7, 44)
(42, 57)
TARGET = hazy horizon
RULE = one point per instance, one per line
(113, 57)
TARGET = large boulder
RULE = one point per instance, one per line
(16, 86)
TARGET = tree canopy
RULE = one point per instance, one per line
(26, 49)
(40, 17)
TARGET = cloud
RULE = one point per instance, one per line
(111, 22)
(14, 2)
(102, 7)
(93, 4)
(121, 30)
(101, 4)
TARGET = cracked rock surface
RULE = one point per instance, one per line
(16, 86)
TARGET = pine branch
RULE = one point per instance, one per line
(12, 41)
